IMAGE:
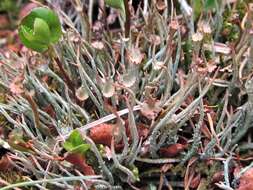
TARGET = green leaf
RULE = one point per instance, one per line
(210, 4)
(29, 43)
(28, 33)
(40, 29)
(51, 19)
(117, 4)
(197, 8)
(75, 139)
(75, 143)
(81, 148)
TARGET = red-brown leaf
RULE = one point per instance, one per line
(4, 23)
(5, 163)
(172, 150)
(102, 134)
(195, 181)
(160, 5)
(246, 181)
(204, 129)
(80, 163)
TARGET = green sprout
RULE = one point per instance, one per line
(75, 143)
(40, 29)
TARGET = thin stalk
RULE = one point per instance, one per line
(66, 77)
(196, 135)
(104, 119)
(157, 161)
(226, 171)
(90, 11)
(71, 85)
(32, 183)
(128, 19)
(36, 118)
(133, 131)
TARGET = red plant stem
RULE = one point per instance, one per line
(67, 79)
(128, 19)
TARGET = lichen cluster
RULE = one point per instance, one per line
(153, 95)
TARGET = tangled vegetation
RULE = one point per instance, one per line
(118, 94)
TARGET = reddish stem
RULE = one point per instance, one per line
(128, 19)
(67, 79)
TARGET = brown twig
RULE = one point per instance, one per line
(70, 84)
(67, 79)
(128, 19)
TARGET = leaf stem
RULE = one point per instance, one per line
(32, 183)
(65, 75)
(128, 19)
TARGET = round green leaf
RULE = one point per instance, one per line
(40, 29)
(51, 19)
(24, 35)
(28, 33)
(75, 143)
(81, 149)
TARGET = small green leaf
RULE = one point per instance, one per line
(28, 33)
(52, 20)
(151, 186)
(40, 29)
(81, 148)
(34, 46)
(75, 143)
(210, 4)
(75, 139)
